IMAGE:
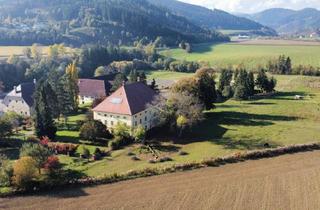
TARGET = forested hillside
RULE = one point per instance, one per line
(214, 19)
(79, 22)
(287, 21)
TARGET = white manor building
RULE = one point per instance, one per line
(130, 104)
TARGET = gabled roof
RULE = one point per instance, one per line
(96, 86)
(129, 99)
(24, 91)
(91, 87)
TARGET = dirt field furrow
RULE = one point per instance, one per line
(286, 182)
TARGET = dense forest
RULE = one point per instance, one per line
(213, 19)
(24, 22)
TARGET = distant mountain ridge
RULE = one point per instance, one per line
(80, 22)
(213, 19)
(288, 21)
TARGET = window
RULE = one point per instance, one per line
(135, 123)
(111, 122)
(140, 121)
(145, 118)
(106, 122)
(124, 117)
(146, 127)
(105, 115)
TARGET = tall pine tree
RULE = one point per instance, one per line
(43, 111)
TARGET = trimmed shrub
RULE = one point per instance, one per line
(165, 159)
(183, 153)
(135, 158)
(130, 154)
(64, 149)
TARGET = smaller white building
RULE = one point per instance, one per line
(19, 100)
(130, 104)
(95, 88)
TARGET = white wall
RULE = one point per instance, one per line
(144, 118)
(17, 105)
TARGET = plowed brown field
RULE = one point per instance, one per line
(286, 182)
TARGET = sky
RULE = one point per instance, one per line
(252, 6)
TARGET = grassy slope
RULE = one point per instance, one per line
(223, 55)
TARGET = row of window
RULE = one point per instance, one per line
(135, 123)
(112, 116)
(118, 117)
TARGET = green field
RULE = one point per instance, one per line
(167, 75)
(229, 54)
(6, 51)
(228, 32)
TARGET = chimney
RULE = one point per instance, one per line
(15, 89)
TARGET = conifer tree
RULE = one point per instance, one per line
(43, 113)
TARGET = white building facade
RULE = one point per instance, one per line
(129, 105)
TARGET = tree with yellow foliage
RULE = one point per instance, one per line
(72, 76)
(36, 52)
(25, 172)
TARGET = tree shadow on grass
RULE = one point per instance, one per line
(166, 148)
(212, 127)
(246, 144)
(205, 47)
(68, 139)
(289, 96)
(261, 103)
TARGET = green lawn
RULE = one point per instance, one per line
(223, 55)
(167, 75)
(228, 32)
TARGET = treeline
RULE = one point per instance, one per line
(283, 65)
(242, 85)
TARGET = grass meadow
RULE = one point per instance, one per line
(250, 55)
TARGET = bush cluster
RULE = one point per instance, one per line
(63, 149)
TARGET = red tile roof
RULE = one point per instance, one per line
(129, 99)
(91, 87)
